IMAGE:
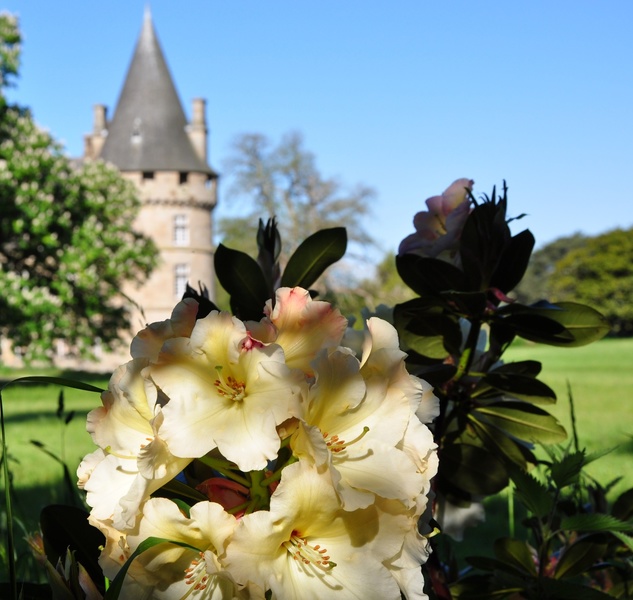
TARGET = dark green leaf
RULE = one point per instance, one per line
(555, 589)
(499, 443)
(623, 506)
(315, 254)
(71, 383)
(579, 557)
(425, 327)
(521, 387)
(430, 275)
(566, 471)
(532, 493)
(627, 540)
(595, 522)
(472, 469)
(516, 553)
(242, 278)
(470, 304)
(66, 527)
(514, 262)
(115, 586)
(485, 563)
(564, 324)
(529, 368)
(524, 421)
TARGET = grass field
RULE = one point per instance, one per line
(600, 376)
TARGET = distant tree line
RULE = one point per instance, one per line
(597, 271)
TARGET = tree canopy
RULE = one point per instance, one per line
(600, 274)
(283, 181)
(66, 240)
(537, 283)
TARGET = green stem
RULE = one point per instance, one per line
(223, 466)
(466, 359)
(276, 476)
(259, 492)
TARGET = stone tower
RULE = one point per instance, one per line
(150, 141)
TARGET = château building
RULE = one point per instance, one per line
(151, 142)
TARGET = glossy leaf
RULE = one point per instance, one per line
(521, 387)
(430, 275)
(522, 367)
(242, 278)
(472, 469)
(579, 557)
(498, 443)
(425, 328)
(514, 262)
(516, 553)
(565, 324)
(524, 421)
(470, 304)
(315, 254)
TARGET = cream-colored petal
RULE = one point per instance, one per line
(304, 326)
(148, 342)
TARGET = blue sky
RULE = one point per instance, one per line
(404, 97)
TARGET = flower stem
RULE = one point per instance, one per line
(222, 466)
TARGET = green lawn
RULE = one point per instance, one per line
(600, 377)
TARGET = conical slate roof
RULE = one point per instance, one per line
(147, 132)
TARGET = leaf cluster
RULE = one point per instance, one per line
(456, 331)
(579, 544)
(251, 283)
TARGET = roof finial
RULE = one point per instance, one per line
(147, 15)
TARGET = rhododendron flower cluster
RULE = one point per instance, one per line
(262, 459)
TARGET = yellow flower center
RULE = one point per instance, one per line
(229, 387)
(316, 556)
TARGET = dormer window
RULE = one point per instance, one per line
(181, 230)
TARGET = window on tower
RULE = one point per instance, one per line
(181, 277)
(181, 230)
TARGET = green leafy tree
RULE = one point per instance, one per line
(283, 181)
(537, 282)
(600, 274)
(66, 242)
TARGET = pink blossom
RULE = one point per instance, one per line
(438, 229)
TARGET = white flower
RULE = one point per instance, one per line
(133, 460)
(307, 547)
(225, 390)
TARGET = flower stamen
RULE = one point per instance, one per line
(196, 574)
(300, 550)
(229, 387)
(335, 444)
